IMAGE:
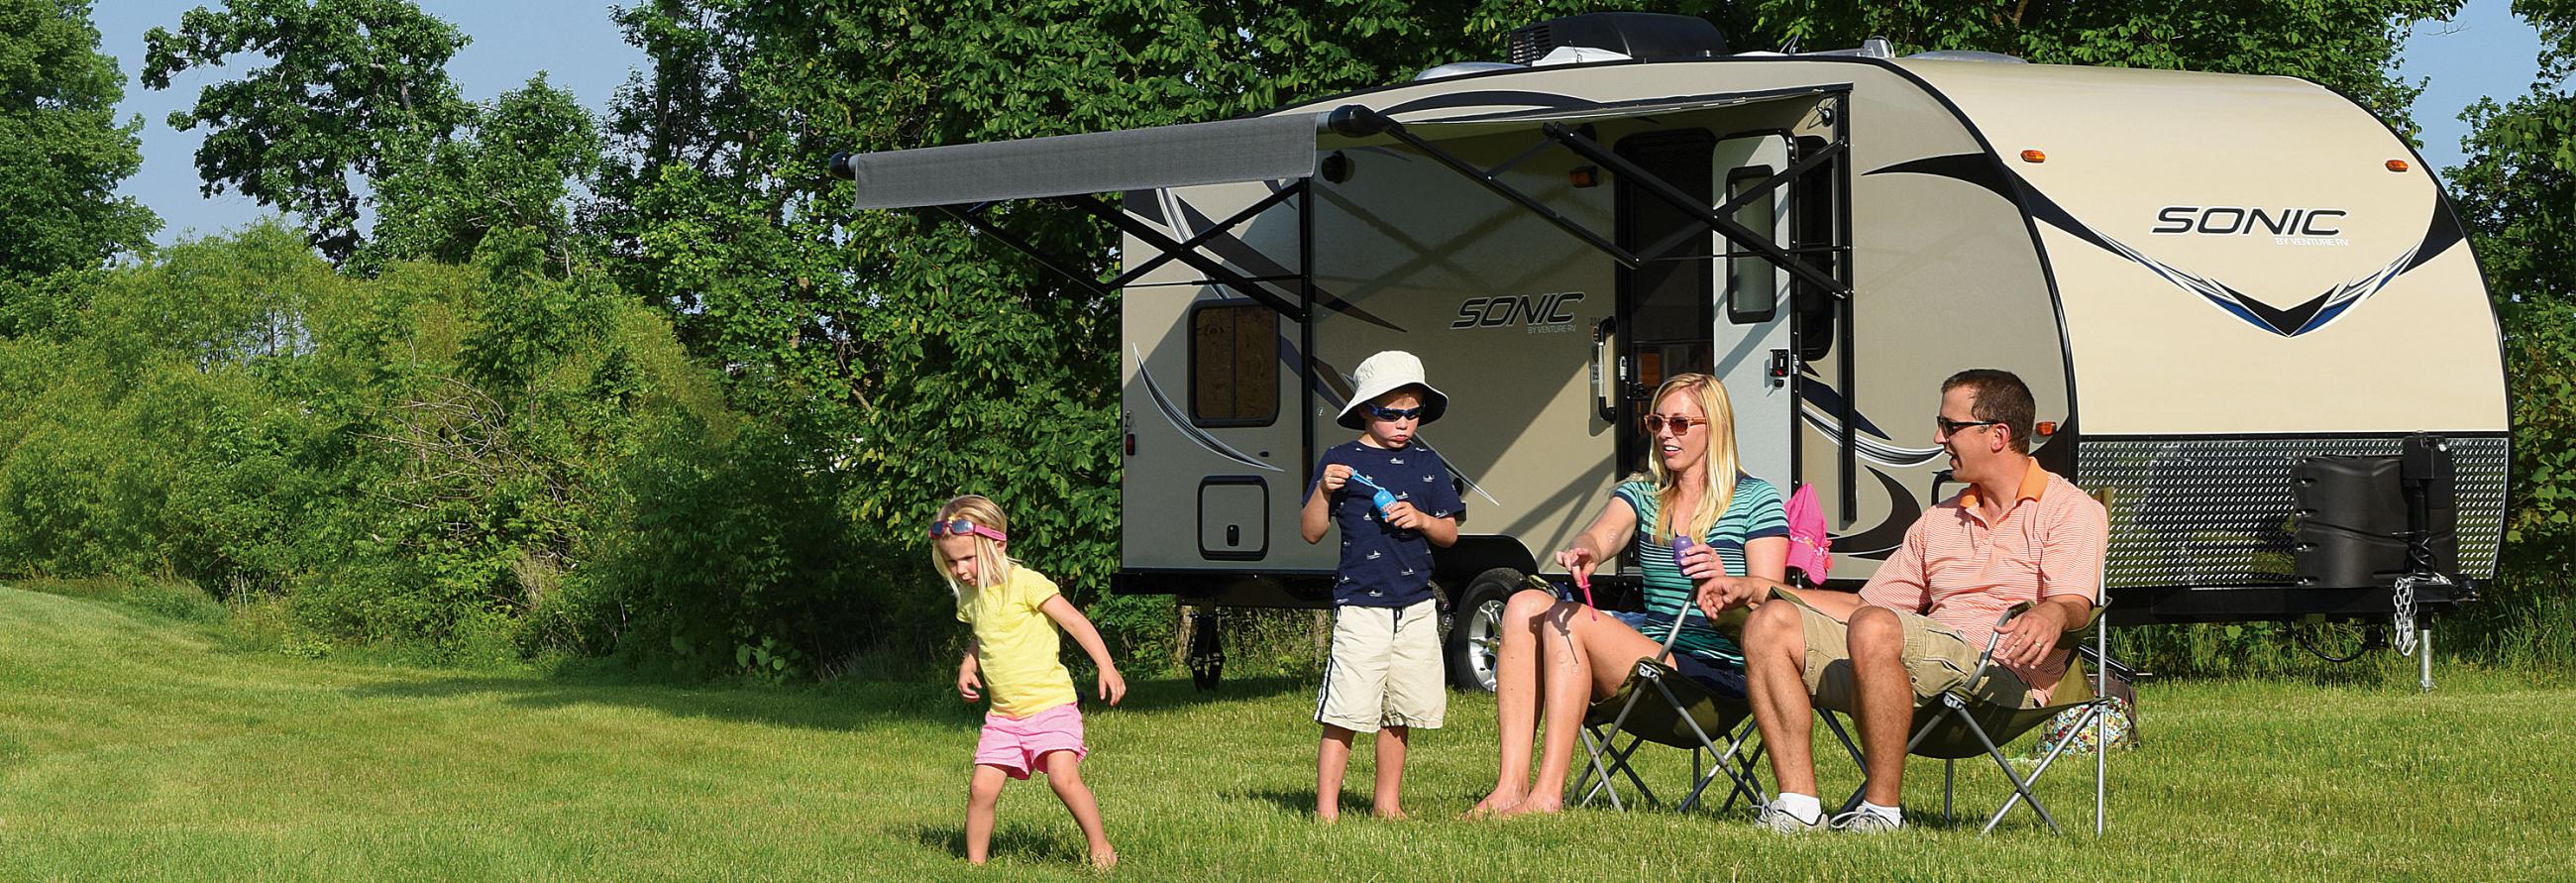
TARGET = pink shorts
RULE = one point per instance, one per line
(1016, 744)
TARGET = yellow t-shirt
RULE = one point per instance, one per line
(1016, 645)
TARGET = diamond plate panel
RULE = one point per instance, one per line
(2216, 512)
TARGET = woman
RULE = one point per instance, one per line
(1558, 657)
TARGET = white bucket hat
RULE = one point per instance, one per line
(1384, 373)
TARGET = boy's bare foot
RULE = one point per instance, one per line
(1533, 805)
(1494, 803)
(1104, 859)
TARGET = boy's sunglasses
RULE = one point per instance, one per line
(1395, 413)
(1953, 427)
(962, 527)
(1655, 423)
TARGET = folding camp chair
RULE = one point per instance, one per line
(1959, 724)
(1682, 713)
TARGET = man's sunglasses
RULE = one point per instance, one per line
(1655, 423)
(962, 527)
(1395, 413)
(1953, 427)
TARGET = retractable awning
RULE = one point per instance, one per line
(1224, 152)
(1271, 148)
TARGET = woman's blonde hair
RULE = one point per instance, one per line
(1722, 463)
(993, 566)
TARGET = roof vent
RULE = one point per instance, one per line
(1641, 35)
(1463, 68)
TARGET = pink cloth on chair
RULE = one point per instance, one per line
(1810, 547)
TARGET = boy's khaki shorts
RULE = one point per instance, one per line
(1936, 656)
(1385, 670)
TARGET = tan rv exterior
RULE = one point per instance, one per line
(2203, 277)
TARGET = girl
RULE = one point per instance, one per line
(1034, 723)
(1556, 656)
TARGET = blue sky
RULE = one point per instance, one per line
(2484, 51)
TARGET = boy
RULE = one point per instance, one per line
(1392, 500)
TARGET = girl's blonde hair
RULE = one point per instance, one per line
(1721, 465)
(993, 565)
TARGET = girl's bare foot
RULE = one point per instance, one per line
(1327, 816)
(1494, 803)
(1392, 814)
(1533, 805)
(1104, 859)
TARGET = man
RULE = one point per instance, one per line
(2016, 533)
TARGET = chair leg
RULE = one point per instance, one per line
(1593, 747)
(2021, 784)
(1949, 788)
(2102, 729)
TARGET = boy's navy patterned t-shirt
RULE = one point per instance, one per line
(1382, 566)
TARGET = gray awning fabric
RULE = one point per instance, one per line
(1268, 148)
(1257, 149)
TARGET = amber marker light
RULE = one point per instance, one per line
(2044, 428)
(2397, 165)
(2034, 156)
(1584, 176)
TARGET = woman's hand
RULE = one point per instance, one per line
(1700, 563)
(1578, 561)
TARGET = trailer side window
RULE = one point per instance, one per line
(1234, 365)
(1752, 282)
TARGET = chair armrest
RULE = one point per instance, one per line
(1978, 674)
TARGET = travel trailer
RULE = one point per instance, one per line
(2207, 279)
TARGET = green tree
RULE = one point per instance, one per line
(513, 166)
(355, 88)
(2517, 191)
(61, 150)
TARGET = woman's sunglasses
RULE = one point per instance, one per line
(1655, 423)
(962, 527)
(1395, 413)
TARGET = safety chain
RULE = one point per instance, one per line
(2403, 623)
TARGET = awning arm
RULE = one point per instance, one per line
(1724, 226)
(972, 216)
(1191, 245)
(1215, 270)
(1361, 121)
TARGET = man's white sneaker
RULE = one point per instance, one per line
(1866, 822)
(1773, 818)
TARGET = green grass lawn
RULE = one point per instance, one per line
(137, 746)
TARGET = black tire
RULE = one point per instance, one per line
(1474, 628)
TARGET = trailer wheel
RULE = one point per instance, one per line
(1476, 632)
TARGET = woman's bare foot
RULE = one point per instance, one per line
(1494, 803)
(1104, 859)
(1533, 805)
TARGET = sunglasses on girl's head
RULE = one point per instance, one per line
(1656, 422)
(1395, 413)
(962, 527)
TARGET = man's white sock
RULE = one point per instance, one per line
(1803, 806)
(1891, 813)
